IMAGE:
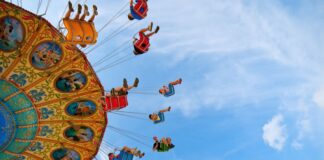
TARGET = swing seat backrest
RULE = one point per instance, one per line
(80, 32)
(143, 43)
(171, 91)
(115, 103)
(141, 8)
(162, 118)
(125, 156)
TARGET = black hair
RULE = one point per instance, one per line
(137, 51)
(150, 116)
(156, 144)
(130, 17)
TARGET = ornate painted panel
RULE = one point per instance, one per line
(79, 133)
(50, 96)
(71, 81)
(81, 108)
(11, 33)
(65, 153)
(46, 54)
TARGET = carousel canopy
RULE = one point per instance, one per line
(50, 96)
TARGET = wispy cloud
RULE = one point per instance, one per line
(318, 97)
(226, 27)
(246, 33)
(304, 129)
(274, 133)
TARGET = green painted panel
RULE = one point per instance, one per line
(6, 89)
(26, 133)
(26, 118)
(18, 147)
(4, 156)
(19, 102)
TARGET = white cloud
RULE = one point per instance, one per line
(318, 97)
(247, 33)
(274, 133)
(304, 129)
(297, 145)
(224, 27)
(234, 86)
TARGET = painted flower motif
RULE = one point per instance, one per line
(36, 147)
(46, 113)
(19, 79)
(45, 130)
(16, 12)
(37, 95)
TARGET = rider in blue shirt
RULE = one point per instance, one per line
(159, 117)
(139, 10)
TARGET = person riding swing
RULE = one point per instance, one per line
(159, 117)
(123, 90)
(163, 145)
(80, 31)
(85, 12)
(142, 44)
(138, 10)
(126, 152)
(169, 91)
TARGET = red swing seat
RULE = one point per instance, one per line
(141, 8)
(115, 103)
(142, 44)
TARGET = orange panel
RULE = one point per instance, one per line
(75, 32)
(80, 32)
(90, 34)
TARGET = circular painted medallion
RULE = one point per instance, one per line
(81, 108)
(71, 81)
(79, 133)
(45, 55)
(11, 34)
(65, 153)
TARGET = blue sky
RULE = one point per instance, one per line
(253, 77)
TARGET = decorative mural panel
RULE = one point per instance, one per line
(46, 55)
(65, 153)
(71, 81)
(11, 33)
(16, 111)
(81, 108)
(79, 133)
(46, 85)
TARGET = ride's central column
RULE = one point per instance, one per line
(7, 126)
